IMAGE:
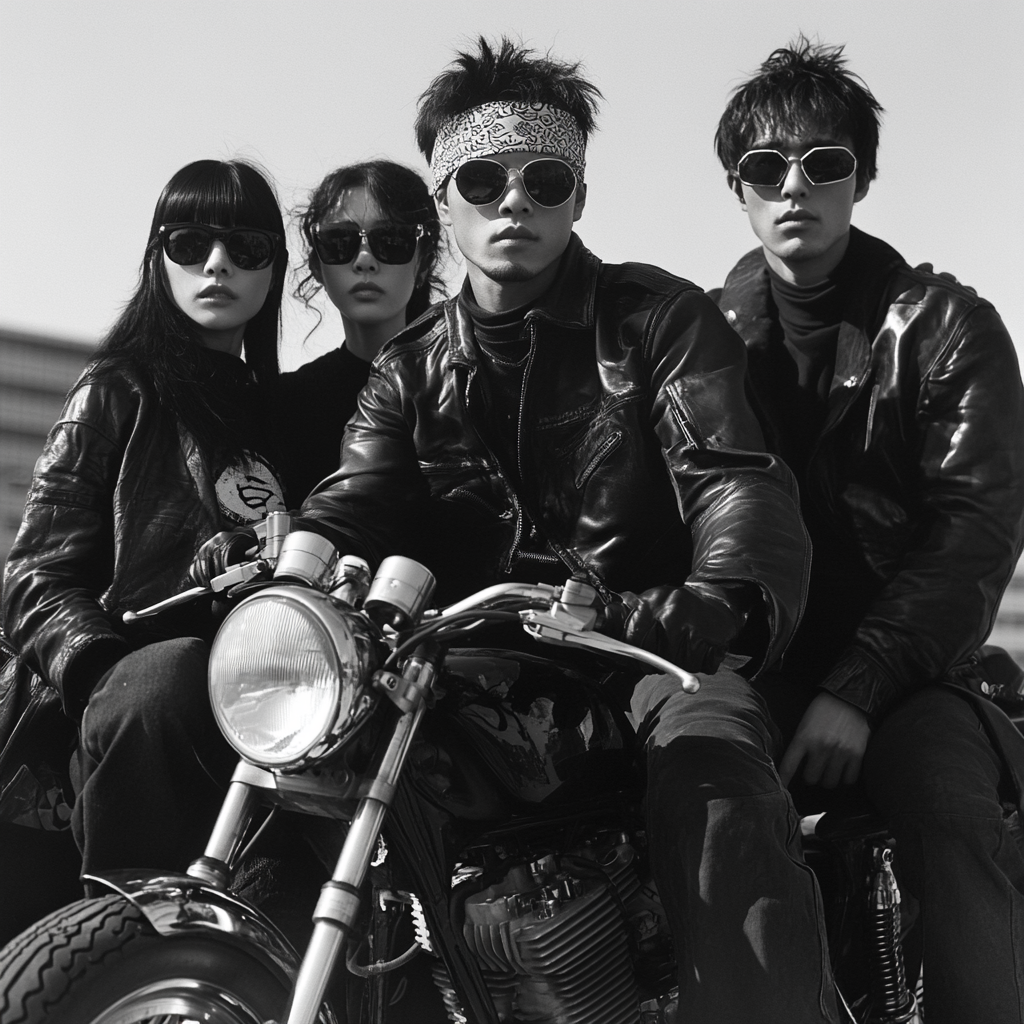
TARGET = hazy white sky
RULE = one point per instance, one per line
(100, 102)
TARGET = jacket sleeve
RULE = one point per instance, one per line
(369, 507)
(941, 603)
(62, 558)
(738, 501)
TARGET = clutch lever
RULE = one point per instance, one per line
(240, 573)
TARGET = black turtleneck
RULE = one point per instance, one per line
(504, 345)
(809, 318)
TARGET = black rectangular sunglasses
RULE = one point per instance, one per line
(248, 248)
(393, 244)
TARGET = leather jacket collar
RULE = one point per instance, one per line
(749, 308)
(568, 303)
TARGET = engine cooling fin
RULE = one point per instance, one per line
(562, 956)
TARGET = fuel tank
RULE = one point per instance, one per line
(516, 733)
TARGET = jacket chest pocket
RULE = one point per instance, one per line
(468, 482)
(583, 448)
(590, 455)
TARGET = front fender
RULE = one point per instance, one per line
(178, 904)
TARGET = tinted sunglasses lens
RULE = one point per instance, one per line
(395, 244)
(830, 163)
(250, 250)
(549, 182)
(763, 168)
(481, 181)
(337, 247)
(187, 246)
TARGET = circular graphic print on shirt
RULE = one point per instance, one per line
(248, 492)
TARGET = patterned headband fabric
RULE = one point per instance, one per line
(507, 127)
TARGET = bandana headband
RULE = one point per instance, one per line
(507, 127)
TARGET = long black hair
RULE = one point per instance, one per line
(160, 343)
(403, 198)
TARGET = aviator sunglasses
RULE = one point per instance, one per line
(394, 244)
(247, 248)
(548, 182)
(823, 165)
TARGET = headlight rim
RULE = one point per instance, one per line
(334, 620)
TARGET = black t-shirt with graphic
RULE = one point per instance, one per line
(248, 486)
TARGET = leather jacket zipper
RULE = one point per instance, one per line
(516, 506)
(568, 558)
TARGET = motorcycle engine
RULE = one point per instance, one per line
(575, 937)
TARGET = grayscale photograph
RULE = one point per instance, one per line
(511, 512)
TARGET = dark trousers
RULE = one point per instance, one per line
(933, 773)
(151, 768)
(744, 908)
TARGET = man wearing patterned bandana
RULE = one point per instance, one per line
(565, 416)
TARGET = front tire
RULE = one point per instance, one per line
(100, 962)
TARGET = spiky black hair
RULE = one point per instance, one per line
(508, 72)
(805, 86)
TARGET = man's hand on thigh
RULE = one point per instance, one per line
(830, 741)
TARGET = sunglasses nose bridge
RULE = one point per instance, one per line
(794, 178)
(515, 192)
(365, 257)
(218, 259)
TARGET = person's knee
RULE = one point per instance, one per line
(149, 690)
(699, 769)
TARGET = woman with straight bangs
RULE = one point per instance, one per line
(162, 442)
(373, 244)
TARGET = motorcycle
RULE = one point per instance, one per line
(490, 800)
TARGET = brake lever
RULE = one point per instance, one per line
(240, 573)
(544, 626)
(528, 591)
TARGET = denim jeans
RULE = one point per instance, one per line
(151, 767)
(933, 773)
(744, 908)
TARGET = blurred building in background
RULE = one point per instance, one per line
(36, 373)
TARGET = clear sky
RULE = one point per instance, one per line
(100, 102)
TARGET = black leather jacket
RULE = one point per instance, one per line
(120, 500)
(917, 479)
(641, 462)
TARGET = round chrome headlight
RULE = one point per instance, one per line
(290, 676)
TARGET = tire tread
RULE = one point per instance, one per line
(58, 948)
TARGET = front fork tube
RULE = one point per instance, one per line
(236, 814)
(338, 907)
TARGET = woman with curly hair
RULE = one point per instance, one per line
(374, 246)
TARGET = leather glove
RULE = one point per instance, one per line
(692, 626)
(222, 550)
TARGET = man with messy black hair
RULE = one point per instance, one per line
(563, 416)
(894, 395)
(508, 73)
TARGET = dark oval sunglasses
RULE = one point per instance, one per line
(549, 182)
(394, 244)
(247, 248)
(823, 165)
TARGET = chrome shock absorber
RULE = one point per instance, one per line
(892, 1002)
